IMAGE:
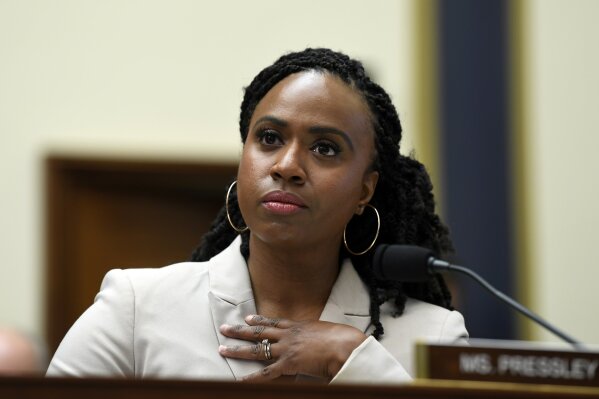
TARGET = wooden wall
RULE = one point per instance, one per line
(104, 214)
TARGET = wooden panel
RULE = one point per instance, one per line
(105, 214)
(29, 388)
(508, 361)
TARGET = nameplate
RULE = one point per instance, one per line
(507, 361)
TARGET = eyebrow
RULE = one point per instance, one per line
(313, 129)
(332, 130)
(272, 119)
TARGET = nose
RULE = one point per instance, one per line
(289, 165)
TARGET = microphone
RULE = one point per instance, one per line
(409, 263)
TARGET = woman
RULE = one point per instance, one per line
(284, 285)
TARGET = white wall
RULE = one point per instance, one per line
(562, 133)
(160, 79)
(163, 79)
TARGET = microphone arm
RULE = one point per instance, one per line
(440, 265)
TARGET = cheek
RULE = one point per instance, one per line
(251, 170)
(343, 192)
(251, 165)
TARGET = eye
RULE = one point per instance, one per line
(326, 148)
(269, 137)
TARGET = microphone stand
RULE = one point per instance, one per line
(440, 265)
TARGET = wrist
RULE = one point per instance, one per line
(343, 346)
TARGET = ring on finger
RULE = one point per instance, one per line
(266, 347)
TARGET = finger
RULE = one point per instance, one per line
(268, 373)
(251, 333)
(258, 320)
(251, 352)
(256, 351)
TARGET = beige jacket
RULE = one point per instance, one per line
(163, 323)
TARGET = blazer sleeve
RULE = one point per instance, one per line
(372, 362)
(101, 341)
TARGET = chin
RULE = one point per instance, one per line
(284, 235)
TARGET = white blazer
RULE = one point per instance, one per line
(164, 323)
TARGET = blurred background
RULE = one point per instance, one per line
(112, 107)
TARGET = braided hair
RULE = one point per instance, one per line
(403, 194)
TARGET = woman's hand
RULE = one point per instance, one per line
(315, 348)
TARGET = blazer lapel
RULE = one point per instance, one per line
(349, 302)
(231, 299)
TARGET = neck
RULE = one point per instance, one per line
(292, 283)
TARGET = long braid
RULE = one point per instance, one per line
(221, 234)
(403, 194)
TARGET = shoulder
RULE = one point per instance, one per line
(173, 281)
(422, 320)
(132, 288)
(167, 275)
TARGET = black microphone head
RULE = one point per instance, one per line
(407, 263)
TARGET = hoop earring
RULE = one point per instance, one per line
(237, 229)
(378, 228)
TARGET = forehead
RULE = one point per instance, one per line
(318, 97)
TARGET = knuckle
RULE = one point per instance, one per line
(296, 330)
(291, 364)
(257, 330)
(255, 349)
(292, 359)
(274, 322)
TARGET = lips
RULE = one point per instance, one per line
(283, 202)
(284, 197)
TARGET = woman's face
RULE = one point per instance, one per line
(305, 166)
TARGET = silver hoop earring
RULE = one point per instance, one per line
(378, 228)
(237, 229)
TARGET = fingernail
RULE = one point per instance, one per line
(222, 349)
(224, 327)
